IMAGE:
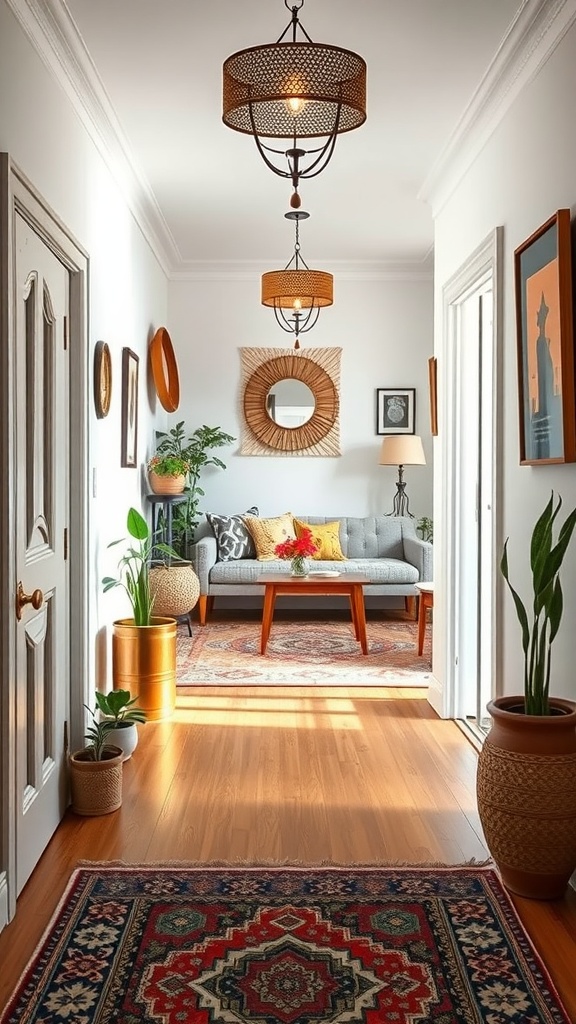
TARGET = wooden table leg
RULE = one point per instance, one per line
(358, 599)
(424, 603)
(354, 616)
(267, 614)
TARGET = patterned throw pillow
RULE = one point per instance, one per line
(233, 540)
(267, 533)
(326, 536)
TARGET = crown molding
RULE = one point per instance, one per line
(356, 270)
(533, 36)
(53, 33)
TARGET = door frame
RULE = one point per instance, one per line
(17, 194)
(484, 261)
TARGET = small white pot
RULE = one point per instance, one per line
(125, 736)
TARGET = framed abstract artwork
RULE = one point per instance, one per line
(545, 341)
(395, 410)
(129, 440)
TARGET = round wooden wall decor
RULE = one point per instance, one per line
(102, 379)
(165, 370)
(290, 439)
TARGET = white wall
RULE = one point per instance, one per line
(524, 174)
(127, 289)
(385, 331)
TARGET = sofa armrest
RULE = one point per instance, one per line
(419, 553)
(203, 555)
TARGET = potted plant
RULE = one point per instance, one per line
(194, 450)
(526, 782)
(96, 771)
(143, 646)
(118, 709)
(167, 473)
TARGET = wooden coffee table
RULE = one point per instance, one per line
(348, 585)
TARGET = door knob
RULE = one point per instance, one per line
(35, 599)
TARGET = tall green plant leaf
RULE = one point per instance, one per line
(546, 559)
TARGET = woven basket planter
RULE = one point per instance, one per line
(526, 789)
(96, 786)
(176, 588)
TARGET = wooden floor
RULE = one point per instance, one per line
(270, 774)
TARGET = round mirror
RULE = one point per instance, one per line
(290, 403)
(322, 401)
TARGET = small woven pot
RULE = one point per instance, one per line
(526, 790)
(166, 484)
(96, 786)
(176, 588)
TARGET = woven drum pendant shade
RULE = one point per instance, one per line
(313, 288)
(282, 90)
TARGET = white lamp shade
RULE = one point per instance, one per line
(402, 450)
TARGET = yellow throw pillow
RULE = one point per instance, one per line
(267, 533)
(326, 537)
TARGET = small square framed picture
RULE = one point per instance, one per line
(395, 410)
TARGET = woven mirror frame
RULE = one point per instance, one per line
(326, 403)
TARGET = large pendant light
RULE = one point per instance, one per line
(294, 90)
(297, 293)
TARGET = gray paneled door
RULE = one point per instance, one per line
(41, 521)
(44, 677)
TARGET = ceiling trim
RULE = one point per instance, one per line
(537, 29)
(53, 33)
(359, 270)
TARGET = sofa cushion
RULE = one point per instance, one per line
(326, 537)
(233, 539)
(267, 533)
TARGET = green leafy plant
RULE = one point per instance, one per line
(425, 527)
(168, 465)
(195, 450)
(118, 707)
(546, 559)
(134, 567)
(97, 735)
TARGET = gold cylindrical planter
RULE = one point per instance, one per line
(96, 786)
(144, 662)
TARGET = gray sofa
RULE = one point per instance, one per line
(387, 549)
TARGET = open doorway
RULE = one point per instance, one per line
(471, 473)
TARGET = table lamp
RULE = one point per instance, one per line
(401, 450)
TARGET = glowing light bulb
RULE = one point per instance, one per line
(297, 305)
(295, 105)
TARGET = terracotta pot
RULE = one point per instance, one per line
(176, 588)
(144, 662)
(96, 786)
(166, 484)
(526, 789)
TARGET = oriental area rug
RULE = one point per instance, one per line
(285, 945)
(303, 653)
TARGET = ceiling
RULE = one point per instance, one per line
(160, 64)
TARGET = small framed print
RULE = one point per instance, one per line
(433, 383)
(129, 442)
(395, 410)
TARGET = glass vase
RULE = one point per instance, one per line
(298, 566)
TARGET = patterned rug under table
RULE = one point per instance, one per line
(309, 653)
(214, 944)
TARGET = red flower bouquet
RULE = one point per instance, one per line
(301, 547)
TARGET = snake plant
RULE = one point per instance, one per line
(546, 557)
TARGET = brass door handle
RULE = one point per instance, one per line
(35, 599)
